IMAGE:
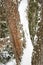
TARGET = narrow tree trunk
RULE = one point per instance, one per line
(41, 34)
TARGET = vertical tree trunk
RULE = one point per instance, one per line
(13, 20)
(37, 57)
(41, 34)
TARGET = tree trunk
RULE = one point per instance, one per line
(13, 20)
(37, 57)
(41, 34)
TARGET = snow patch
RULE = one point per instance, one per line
(12, 62)
(27, 56)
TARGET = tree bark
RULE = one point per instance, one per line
(37, 57)
(13, 20)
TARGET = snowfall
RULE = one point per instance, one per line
(27, 56)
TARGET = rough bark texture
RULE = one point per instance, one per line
(41, 35)
(37, 56)
(13, 20)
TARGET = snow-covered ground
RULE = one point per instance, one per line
(11, 62)
(27, 56)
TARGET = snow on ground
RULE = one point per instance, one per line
(12, 62)
(26, 59)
